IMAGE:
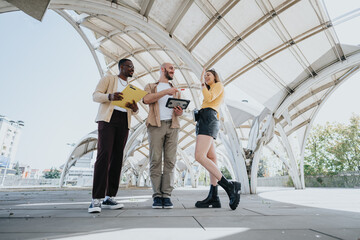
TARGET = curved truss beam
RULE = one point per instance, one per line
(176, 19)
(123, 15)
(211, 23)
(75, 25)
(141, 42)
(151, 29)
(311, 32)
(71, 160)
(309, 126)
(146, 6)
(243, 35)
(309, 82)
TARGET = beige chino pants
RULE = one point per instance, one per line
(163, 141)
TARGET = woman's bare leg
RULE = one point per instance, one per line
(203, 144)
(212, 156)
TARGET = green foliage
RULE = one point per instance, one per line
(262, 168)
(290, 182)
(53, 173)
(225, 172)
(333, 148)
(204, 177)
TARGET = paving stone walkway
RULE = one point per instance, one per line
(62, 214)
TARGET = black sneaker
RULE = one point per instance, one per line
(167, 203)
(95, 206)
(111, 203)
(158, 202)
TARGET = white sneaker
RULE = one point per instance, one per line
(95, 206)
(111, 203)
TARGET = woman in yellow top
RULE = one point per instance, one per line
(207, 129)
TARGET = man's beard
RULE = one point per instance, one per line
(167, 75)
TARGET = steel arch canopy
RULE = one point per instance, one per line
(279, 57)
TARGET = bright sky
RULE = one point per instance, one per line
(48, 75)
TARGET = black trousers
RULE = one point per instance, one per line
(112, 137)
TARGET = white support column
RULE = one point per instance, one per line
(187, 161)
(141, 170)
(260, 136)
(284, 161)
(234, 148)
(292, 160)
(255, 168)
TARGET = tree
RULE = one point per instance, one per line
(333, 148)
(263, 166)
(53, 173)
(225, 172)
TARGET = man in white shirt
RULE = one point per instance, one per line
(113, 127)
(163, 128)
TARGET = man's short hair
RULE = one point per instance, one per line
(122, 61)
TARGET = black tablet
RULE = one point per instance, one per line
(174, 102)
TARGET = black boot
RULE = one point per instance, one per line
(212, 199)
(233, 191)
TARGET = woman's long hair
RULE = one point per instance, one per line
(216, 77)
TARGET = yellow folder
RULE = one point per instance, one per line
(130, 93)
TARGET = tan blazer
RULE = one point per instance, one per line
(107, 85)
(154, 111)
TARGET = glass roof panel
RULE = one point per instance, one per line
(135, 4)
(263, 40)
(163, 56)
(230, 63)
(346, 36)
(163, 12)
(146, 38)
(217, 4)
(314, 53)
(191, 24)
(130, 41)
(103, 25)
(297, 22)
(275, 3)
(243, 15)
(285, 66)
(148, 60)
(210, 45)
(256, 84)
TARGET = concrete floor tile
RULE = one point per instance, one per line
(62, 214)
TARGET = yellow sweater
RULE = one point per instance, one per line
(214, 97)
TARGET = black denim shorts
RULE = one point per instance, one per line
(208, 124)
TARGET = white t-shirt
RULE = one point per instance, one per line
(165, 113)
(121, 86)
